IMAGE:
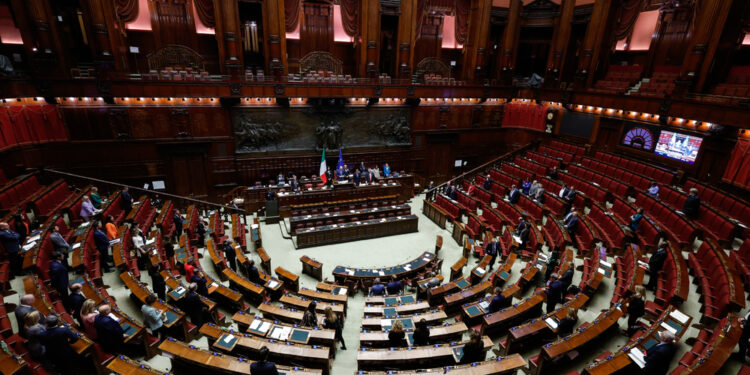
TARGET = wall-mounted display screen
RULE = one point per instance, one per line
(638, 136)
(678, 146)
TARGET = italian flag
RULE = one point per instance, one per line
(323, 166)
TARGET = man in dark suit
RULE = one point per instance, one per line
(659, 356)
(567, 277)
(692, 204)
(514, 194)
(369, 176)
(522, 224)
(76, 302)
(447, 189)
(26, 306)
(102, 244)
(264, 366)
(295, 184)
(554, 292)
(230, 254)
(57, 340)
(200, 280)
(745, 321)
(488, 182)
(377, 289)
(655, 264)
(357, 177)
(193, 305)
(252, 272)
(572, 224)
(329, 177)
(498, 301)
(111, 336)
(394, 286)
(158, 284)
(177, 219)
(126, 201)
(570, 197)
(492, 249)
(58, 275)
(11, 242)
(523, 235)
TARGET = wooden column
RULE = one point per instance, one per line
(708, 26)
(107, 45)
(592, 42)
(407, 32)
(560, 41)
(41, 28)
(370, 33)
(226, 13)
(475, 49)
(274, 34)
(510, 41)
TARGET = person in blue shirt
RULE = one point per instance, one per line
(386, 170)
(377, 288)
(102, 244)
(526, 186)
(263, 367)
(57, 340)
(571, 225)
(10, 240)
(394, 286)
(635, 219)
(653, 190)
(498, 301)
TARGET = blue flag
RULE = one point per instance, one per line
(340, 164)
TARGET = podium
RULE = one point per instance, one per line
(272, 211)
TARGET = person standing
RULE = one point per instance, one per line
(636, 309)
(158, 284)
(35, 332)
(126, 201)
(57, 340)
(58, 242)
(11, 242)
(96, 199)
(25, 307)
(498, 301)
(230, 254)
(566, 324)
(554, 292)
(655, 264)
(421, 336)
(76, 302)
(88, 318)
(102, 245)
(110, 333)
(153, 318)
(692, 204)
(492, 249)
(310, 318)
(333, 322)
(177, 219)
(659, 356)
(87, 209)
(139, 249)
(474, 349)
(397, 336)
(110, 227)
(58, 275)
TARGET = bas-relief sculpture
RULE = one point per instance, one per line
(310, 128)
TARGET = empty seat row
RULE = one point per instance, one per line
(46, 203)
(517, 172)
(536, 168)
(625, 266)
(634, 179)
(502, 178)
(716, 282)
(711, 343)
(17, 190)
(658, 174)
(647, 234)
(543, 159)
(449, 206)
(610, 231)
(555, 235)
(466, 202)
(666, 285)
(610, 184)
(585, 236)
(675, 226)
(741, 258)
(492, 219)
(595, 193)
(566, 157)
(483, 196)
(568, 147)
(727, 203)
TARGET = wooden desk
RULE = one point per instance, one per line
(472, 311)
(405, 270)
(301, 303)
(251, 324)
(457, 269)
(291, 281)
(359, 230)
(437, 333)
(499, 322)
(501, 276)
(312, 267)
(123, 365)
(345, 216)
(249, 345)
(414, 357)
(265, 259)
(253, 292)
(537, 329)
(430, 317)
(332, 288)
(392, 311)
(12, 364)
(390, 300)
(175, 317)
(506, 365)
(185, 359)
(466, 295)
(339, 298)
(36, 240)
(579, 338)
(434, 213)
(78, 244)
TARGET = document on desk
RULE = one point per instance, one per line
(114, 317)
(264, 327)
(228, 338)
(668, 328)
(682, 318)
(29, 246)
(151, 241)
(77, 245)
(273, 284)
(484, 305)
(255, 324)
(551, 322)
(34, 239)
(637, 356)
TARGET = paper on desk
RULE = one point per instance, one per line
(484, 305)
(228, 338)
(77, 245)
(149, 242)
(601, 271)
(29, 246)
(179, 290)
(551, 322)
(255, 324)
(341, 291)
(385, 322)
(407, 267)
(637, 356)
(381, 273)
(34, 239)
(540, 267)
(606, 264)
(264, 327)
(517, 239)
(273, 284)
(84, 225)
(480, 270)
(668, 328)
(114, 317)
(682, 318)
(349, 272)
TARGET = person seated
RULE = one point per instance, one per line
(421, 334)
(252, 272)
(110, 333)
(653, 190)
(377, 288)
(280, 179)
(570, 197)
(394, 286)
(526, 186)
(514, 195)
(553, 173)
(397, 336)
(533, 189)
(295, 185)
(635, 219)
(659, 357)
(499, 301)
(539, 196)
(488, 182)
(566, 324)
(263, 366)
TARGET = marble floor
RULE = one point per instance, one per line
(382, 252)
